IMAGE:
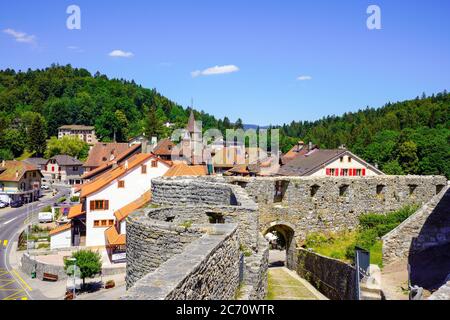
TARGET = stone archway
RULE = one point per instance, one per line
(286, 234)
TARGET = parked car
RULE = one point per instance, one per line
(45, 187)
(16, 203)
(3, 204)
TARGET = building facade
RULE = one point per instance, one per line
(99, 219)
(85, 133)
(63, 169)
(19, 181)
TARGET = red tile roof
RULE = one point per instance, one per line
(14, 170)
(182, 169)
(133, 206)
(76, 211)
(109, 164)
(59, 229)
(104, 152)
(115, 173)
(113, 238)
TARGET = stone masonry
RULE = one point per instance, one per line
(427, 227)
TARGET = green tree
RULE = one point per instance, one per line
(392, 168)
(67, 145)
(37, 135)
(153, 125)
(6, 154)
(407, 157)
(89, 263)
(13, 140)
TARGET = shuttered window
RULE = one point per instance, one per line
(99, 205)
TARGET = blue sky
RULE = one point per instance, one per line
(265, 46)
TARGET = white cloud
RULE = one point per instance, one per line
(121, 54)
(215, 70)
(304, 78)
(20, 36)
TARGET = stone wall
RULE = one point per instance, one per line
(182, 191)
(151, 242)
(255, 272)
(29, 264)
(208, 269)
(427, 227)
(314, 204)
(333, 278)
(443, 293)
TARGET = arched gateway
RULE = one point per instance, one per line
(285, 240)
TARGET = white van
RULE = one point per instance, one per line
(45, 217)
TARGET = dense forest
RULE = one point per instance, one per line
(60, 95)
(410, 137)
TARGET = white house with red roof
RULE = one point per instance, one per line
(99, 219)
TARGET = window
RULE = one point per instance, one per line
(280, 190)
(314, 190)
(144, 169)
(75, 168)
(349, 159)
(343, 190)
(342, 159)
(215, 218)
(96, 223)
(34, 174)
(103, 223)
(99, 205)
(121, 184)
(380, 189)
(412, 188)
(154, 164)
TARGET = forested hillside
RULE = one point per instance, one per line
(410, 137)
(62, 95)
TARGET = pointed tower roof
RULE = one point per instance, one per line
(191, 126)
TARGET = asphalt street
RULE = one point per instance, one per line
(12, 286)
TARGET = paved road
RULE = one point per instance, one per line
(12, 286)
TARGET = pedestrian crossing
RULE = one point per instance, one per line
(9, 289)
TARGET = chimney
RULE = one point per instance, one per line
(3, 163)
(114, 164)
(126, 165)
(17, 174)
(300, 145)
(310, 146)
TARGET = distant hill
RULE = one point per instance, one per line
(409, 137)
(66, 95)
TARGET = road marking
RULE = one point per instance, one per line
(9, 221)
(23, 281)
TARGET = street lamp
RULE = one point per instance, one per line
(74, 260)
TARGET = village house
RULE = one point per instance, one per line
(84, 133)
(99, 220)
(116, 160)
(19, 180)
(103, 153)
(328, 162)
(63, 169)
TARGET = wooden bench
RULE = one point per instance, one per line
(50, 277)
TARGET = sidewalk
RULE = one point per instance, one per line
(46, 290)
